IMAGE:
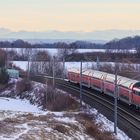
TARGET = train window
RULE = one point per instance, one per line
(137, 93)
(137, 84)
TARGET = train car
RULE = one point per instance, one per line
(128, 90)
(73, 75)
(97, 80)
(86, 78)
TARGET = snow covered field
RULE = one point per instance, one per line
(20, 120)
(7, 104)
(30, 120)
(54, 51)
(24, 64)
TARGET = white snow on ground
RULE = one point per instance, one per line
(12, 107)
(21, 64)
(24, 106)
(65, 119)
(17, 105)
(54, 51)
(24, 64)
(108, 125)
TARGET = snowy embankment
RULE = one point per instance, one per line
(20, 119)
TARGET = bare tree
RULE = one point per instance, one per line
(3, 58)
(65, 49)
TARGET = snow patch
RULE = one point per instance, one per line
(65, 119)
(17, 105)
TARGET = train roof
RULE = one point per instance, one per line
(123, 81)
(87, 72)
(74, 70)
(127, 82)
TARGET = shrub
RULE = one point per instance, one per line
(61, 128)
(23, 85)
(3, 58)
(58, 101)
(94, 129)
(4, 77)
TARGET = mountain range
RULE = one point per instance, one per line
(69, 36)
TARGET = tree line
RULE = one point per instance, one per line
(125, 43)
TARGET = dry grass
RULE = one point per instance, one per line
(94, 129)
(61, 128)
(8, 126)
(37, 128)
(58, 101)
(23, 85)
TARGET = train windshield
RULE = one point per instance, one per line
(137, 85)
(136, 88)
(137, 92)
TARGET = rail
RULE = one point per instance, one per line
(131, 119)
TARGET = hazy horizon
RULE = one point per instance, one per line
(97, 36)
(70, 15)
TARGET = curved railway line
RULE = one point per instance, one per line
(128, 119)
(132, 120)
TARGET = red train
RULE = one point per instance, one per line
(128, 89)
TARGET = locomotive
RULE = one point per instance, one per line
(128, 90)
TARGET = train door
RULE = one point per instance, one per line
(96, 83)
(125, 94)
(102, 84)
(85, 80)
(130, 97)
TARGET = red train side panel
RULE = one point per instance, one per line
(96, 83)
(128, 89)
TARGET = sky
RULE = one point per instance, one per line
(69, 15)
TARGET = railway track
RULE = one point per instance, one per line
(128, 120)
(108, 104)
(131, 121)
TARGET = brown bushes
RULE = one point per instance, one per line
(61, 128)
(58, 101)
(94, 129)
(23, 85)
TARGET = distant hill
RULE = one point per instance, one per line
(69, 36)
(125, 43)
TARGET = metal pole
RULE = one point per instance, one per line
(115, 104)
(97, 63)
(81, 83)
(63, 68)
(28, 65)
(53, 71)
(46, 93)
(6, 64)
